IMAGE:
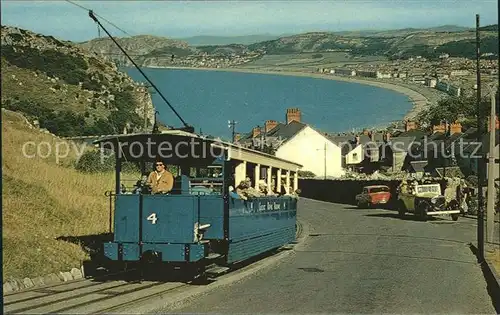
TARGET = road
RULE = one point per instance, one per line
(361, 261)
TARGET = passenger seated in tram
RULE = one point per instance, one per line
(264, 189)
(244, 189)
(234, 195)
(160, 180)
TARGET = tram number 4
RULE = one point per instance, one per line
(152, 217)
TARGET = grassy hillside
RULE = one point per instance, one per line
(391, 44)
(68, 91)
(43, 201)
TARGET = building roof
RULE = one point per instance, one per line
(213, 150)
(276, 129)
(452, 171)
(401, 144)
(437, 136)
(419, 166)
(417, 134)
(286, 131)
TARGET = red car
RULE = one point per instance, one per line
(373, 195)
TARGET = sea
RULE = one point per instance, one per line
(207, 100)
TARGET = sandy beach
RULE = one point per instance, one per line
(419, 101)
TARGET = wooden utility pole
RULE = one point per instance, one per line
(324, 160)
(232, 124)
(490, 211)
(498, 66)
(480, 164)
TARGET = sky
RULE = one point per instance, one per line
(178, 19)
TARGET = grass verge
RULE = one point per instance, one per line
(44, 200)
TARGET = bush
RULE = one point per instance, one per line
(54, 63)
(316, 56)
(90, 162)
(306, 174)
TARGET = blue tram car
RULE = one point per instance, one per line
(201, 218)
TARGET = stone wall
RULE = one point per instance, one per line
(50, 279)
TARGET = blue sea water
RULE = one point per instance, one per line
(208, 99)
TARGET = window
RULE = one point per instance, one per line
(379, 189)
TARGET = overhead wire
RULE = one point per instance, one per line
(110, 121)
(93, 16)
(101, 17)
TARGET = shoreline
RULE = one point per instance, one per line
(420, 102)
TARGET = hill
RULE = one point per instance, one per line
(489, 28)
(227, 40)
(391, 44)
(66, 89)
(144, 49)
(401, 43)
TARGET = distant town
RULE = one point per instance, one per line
(454, 76)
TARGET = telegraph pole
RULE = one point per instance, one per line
(480, 210)
(498, 65)
(325, 160)
(232, 124)
(490, 211)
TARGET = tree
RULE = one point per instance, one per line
(462, 108)
(306, 174)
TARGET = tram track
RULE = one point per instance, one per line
(105, 294)
(91, 297)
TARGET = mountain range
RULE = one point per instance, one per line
(208, 40)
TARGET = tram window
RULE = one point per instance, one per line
(262, 173)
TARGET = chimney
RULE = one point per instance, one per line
(497, 124)
(357, 140)
(270, 124)
(410, 125)
(237, 137)
(455, 128)
(255, 132)
(292, 114)
(372, 136)
(439, 128)
(387, 137)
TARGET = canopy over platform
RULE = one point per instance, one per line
(176, 146)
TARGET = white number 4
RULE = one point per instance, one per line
(152, 218)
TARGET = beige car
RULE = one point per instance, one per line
(423, 201)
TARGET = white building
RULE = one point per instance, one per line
(314, 151)
(383, 75)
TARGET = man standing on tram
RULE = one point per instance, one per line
(160, 180)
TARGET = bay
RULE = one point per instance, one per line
(208, 99)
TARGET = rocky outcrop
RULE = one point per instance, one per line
(60, 79)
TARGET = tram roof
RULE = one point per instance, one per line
(174, 137)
